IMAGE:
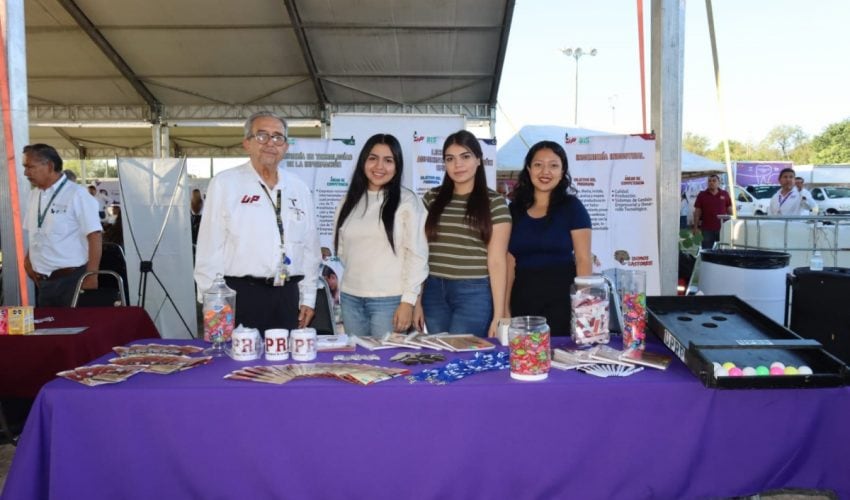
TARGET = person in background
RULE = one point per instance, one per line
(684, 210)
(550, 239)
(788, 200)
(380, 240)
(709, 204)
(812, 206)
(259, 232)
(113, 230)
(468, 227)
(101, 205)
(65, 235)
(196, 209)
(70, 174)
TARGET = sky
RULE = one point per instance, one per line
(782, 62)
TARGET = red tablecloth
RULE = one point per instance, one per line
(27, 362)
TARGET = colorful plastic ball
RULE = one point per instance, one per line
(775, 370)
(777, 364)
(762, 370)
(716, 365)
(804, 370)
(735, 372)
(728, 365)
(721, 372)
(749, 371)
(791, 370)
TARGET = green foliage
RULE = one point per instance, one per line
(695, 143)
(689, 242)
(833, 145)
(785, 139)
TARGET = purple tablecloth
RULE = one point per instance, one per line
(653, 435)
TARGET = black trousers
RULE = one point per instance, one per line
(263, 306)
(544, 292)
(59, 292)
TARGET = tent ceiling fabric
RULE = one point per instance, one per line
(219, 60)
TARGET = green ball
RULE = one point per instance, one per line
(762, 370)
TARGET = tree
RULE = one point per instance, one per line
(833, 145)
(785, 138)
(695, 143)
(739, 151)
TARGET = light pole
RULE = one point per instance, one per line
(576, 54)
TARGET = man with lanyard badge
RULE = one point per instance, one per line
(63, 228)
(788, 200)
(259, 232)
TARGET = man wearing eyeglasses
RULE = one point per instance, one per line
(259, 232)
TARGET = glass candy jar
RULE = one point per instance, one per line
(529, 341)
(631, 286)
(590, 303)
(219, 310)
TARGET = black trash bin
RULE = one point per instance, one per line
(756, 276)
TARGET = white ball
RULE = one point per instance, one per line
(804, 370)
(716, 365)
(777, 364)
(721, 372)
(749, 371)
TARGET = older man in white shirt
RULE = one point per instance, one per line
(63, 228)
(259, 232)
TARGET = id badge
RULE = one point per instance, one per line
(282, 274)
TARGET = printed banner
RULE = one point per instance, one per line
(750, 173)
(326, 167)
(615, 179)
(428, 167)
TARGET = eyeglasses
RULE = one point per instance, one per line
(263, 138)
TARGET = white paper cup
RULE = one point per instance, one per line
(277, 344)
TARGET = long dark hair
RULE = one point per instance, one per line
(477, 214)
(524, 191)
(360, 184)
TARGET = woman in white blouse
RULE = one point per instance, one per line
(379, 237)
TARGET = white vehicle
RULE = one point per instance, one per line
(745, 203)
(762, 193)
(832, 200)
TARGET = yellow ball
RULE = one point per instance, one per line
(728, 365)
(790, 370)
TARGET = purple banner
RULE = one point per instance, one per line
(762, 172)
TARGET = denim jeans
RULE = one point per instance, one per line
(457, 306)
(368, 316)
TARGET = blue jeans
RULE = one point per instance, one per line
(367, 316)
(457, 306)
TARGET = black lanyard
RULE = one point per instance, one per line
(276, 208)
(42, 215)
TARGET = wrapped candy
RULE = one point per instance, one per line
(590, 310)
(530, 347)
(219, 311)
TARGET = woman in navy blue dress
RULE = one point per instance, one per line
(550, 241)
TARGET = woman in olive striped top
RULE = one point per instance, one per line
(468, 228)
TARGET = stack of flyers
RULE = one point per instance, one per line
(570, 359)
(162, 364)
(463, 342)
(360, 374)
(609, 370)
(100, 374)
(645, 358)
(175, 350)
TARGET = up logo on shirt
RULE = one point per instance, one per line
(248, 198)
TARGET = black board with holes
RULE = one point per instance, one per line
(704, 330)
